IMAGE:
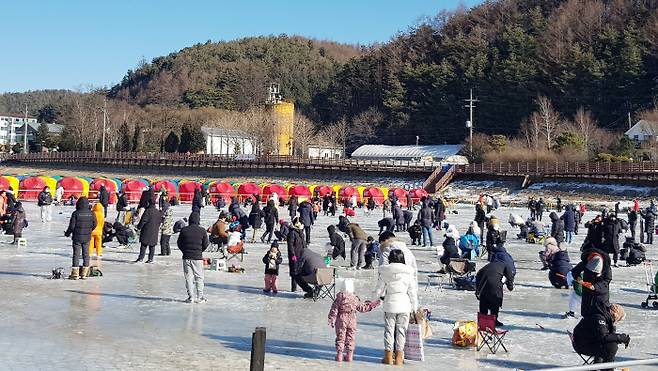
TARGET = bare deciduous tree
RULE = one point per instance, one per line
(304, 134)
(549, 120)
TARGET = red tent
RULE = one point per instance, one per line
(374, 193)
(247, 190)
(4, 184)
(223, 190)
(186, 190)
(274, 188)
(401, 195)
(323, 190)
(348, 192)
(31, 187)
(134, 189)
(96, 184)
(299, 191)
(417, 194)
(72, 186)
(169, 186)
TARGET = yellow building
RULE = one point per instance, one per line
(284, 113)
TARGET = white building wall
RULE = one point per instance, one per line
(319, 152)
(222, 145)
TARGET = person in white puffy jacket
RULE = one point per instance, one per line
(397, 286)
(387, 243)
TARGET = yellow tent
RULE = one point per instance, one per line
(361, 189)
(336, 189)
(385, 191)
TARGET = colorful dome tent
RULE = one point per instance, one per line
(74, 186)
(302, 192)
(417, 194)
(349, 192)
(401, 194)
(186, 190)
(248, 190)
(30, 187)
(169, 186)
(133, 189)
(274, 188)
(9, 182)
(375, 193)
(109, 184)
(219, 189)
(51, 183)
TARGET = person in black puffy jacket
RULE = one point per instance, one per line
(557, 227)
(337, 242)
(81, 224)
(559, 266)
(104, 199)
(307, 219)
(450, 250)
(489, 287)
(611, 232)
(596, 335)
(149, 226)
(197, 201)
(271, 217)
(386, 224)
(597, 275)
(192, 242)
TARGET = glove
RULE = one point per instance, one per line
(624, 339)
(294, 258)
(67, 234)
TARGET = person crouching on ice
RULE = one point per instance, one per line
(342, 317)
(596, 336)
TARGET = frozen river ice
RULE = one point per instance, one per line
(134, 318)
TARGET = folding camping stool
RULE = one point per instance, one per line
(231, 252)
(459, 268)
(324, 283)
(489, 336)
(587, 360)
(439, 278)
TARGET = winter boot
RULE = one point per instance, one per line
(84, 273)
(388, 357)
(399, 358)
(75, 272)
(349, 356)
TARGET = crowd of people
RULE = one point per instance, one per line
(151, 223)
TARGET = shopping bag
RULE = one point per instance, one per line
(465, 334)
(421, 317)
(413, 346)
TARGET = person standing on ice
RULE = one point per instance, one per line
(81, 224)
(539, 206)
(59, 194)
(632, 222)
(96, 241)
(192, 242)
(342, 317)
(489, 287)
(398, 288)
(166, 229)
(104, 199)
(296, 244)
(569, 219)
(292, 207)
(649, 215)
(122, 207)
(307, 219)
(271, 217)
(45, 201)
(149, 226)
(398, 216)
(480, 219)
(197, 201)
(557, 227)
(426, 218)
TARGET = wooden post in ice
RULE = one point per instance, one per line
(258, 350)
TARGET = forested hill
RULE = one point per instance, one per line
(235, 74)
(599, 54)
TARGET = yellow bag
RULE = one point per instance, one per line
(465, 334)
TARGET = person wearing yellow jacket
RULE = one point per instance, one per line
(97, 234)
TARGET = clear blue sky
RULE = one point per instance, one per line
(69, 43)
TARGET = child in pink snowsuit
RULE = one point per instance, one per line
(342, 317)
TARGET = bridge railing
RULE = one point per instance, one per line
(561, 168)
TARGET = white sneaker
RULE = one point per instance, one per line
(201, 301)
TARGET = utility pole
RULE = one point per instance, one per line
(417, 138)
(469, 123)
(104, 124)
(25, 131)
(629, 121)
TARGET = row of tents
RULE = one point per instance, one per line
(28, 188)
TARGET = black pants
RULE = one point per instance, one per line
(142, 252)
(165, 249)
(105, 211)
(269, 230)
(219, 240)
(650, 232)
(601, 353)
(490, 305)
(481, 226)
(369, 259)
(307, 233)
(632, 226)
(80, 249)
(303, 284)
